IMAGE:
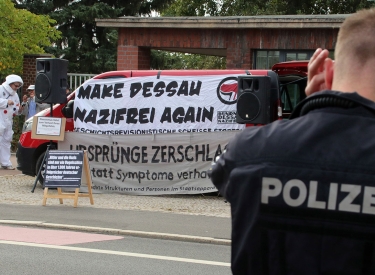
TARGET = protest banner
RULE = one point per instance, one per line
(150, 164)
(150, 105)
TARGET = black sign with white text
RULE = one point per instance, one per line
(63, 169)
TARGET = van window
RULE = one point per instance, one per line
(265, 59)
(292, 92)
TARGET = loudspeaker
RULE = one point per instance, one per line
(258, 98)
(51, 80)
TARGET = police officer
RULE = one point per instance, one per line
(302, 191)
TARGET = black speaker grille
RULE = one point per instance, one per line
(42, 87)
(248, 106)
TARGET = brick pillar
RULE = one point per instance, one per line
(238, 58)
(238, 50)
(29, 69)
(251, 55)
(133, 58)
(144, 58)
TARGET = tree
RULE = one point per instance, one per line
(22, 32)
(244, 8)
(167, 60)
(263, 7)
(88, 49)
(192, 8)
(163, 60)
(338, 6)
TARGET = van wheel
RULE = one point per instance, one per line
(38, 164)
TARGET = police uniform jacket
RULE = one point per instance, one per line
(302, 191)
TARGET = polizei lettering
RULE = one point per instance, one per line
(333, 196)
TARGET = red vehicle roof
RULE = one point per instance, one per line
(139, 73)
(291, 68)
(282, 68)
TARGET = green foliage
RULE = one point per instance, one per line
(17, 131)
(319, 6)
(21, 32)
(192, 8)
(165, 60)
(197, 61)
(339, 6)
(263, 7)
(162, 60)
(91, 49)
(88, 48)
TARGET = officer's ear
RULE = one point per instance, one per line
(329, 72)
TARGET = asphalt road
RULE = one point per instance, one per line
(196, 228)
(142, 242)
(40, 251)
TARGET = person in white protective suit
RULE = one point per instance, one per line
(9, 107)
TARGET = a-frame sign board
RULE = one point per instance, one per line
(64, 170)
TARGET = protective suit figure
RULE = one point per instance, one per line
(9, 107)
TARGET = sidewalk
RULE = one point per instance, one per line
(196, 218)
(4, 172)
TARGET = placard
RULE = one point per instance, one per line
(48, 128)
(63, 169)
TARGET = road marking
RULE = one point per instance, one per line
(120, 253)
(114, 231)
(49, 236)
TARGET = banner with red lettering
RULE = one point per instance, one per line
(150, 105)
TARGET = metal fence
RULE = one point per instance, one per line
(75, 80)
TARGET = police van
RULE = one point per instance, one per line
(150, 102)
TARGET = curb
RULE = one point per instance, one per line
(113, 231)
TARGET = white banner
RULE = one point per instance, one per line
(150, 105)
(150, 164)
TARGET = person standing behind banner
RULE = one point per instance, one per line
(9, 107)
(30, 107)
(68, 90)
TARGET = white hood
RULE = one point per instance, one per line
(9, 80)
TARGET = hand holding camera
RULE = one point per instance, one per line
(24, 101)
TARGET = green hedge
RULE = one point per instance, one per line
(17, 129)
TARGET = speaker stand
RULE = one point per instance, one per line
(50, 146)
